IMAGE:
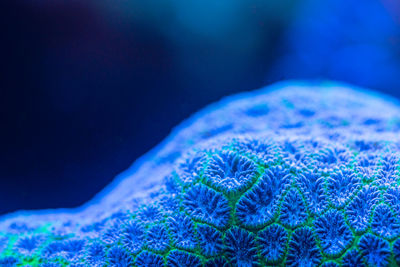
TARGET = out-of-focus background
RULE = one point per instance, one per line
(89, 86)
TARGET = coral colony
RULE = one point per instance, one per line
(295, 174)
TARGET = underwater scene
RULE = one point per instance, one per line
(212, 133)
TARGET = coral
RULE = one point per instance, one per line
(384, 223)
(396, 251)
(206, 205)
(210, 240)
(66, 248)
(308, 178)
(220, 262)
(133, 237)
(8, 261)
(241, 247)
(272, 243)
(145, 259)
(259, 205)
(293, 210)
(149, 214)
(333, 232)
(178, 258)
(28, 244)
(303, 250)
(330, 264)
(331, 156)
(189, 168)
(341, 184)
(353, 259)
(388, 173)
(182, 232)
(112, 233)
(157, 238)
(359, 210)
(312, 185)
(392, 197)
(95, 254)
(376, 251)
(118, 257)
(262, 150)
(50, 264)
(3, 243)
(230, 172)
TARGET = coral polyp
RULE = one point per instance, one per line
(272, 243)
(206, 205)
(182, 232)
(360, 209)
(293, 211)
(230, 172)
(259, 205)
(334, 234)
(241, 247)
(303, 249)
(293, 175)
(210, 240)
(145, 259)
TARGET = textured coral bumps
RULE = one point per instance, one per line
(292, 175)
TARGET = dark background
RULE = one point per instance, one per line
(89, 86)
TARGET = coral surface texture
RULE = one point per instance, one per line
(296, 174)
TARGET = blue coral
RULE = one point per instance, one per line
(360, 209)
(206, 205)
(303, 250)
(66, 248)
(272, 243)
(51, 264)
(9, 261)
(169, 204)
(384, 222)
(178, 258)
(74, 246)
(312, 182)
(220, 262)
(119, 257)
(157, 238)
(241, 247)
(112, 233)
(396, 251)
(376, 251)
(150, 214)
(332, 156)
(353, 259)
(53, 248)
(95, 254)
(259, 205)
(388, 173)
(182, 232)
(312, 185)
(366, 160)
(145, 259)
(28, 244)
(3, 243)
(262, 150)
(333, 232)
(190, 168)
(293, 211)
(230, 172)
(341, 184)
(133, 237)
(330, 264)
(392, 197)
(210, 240)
